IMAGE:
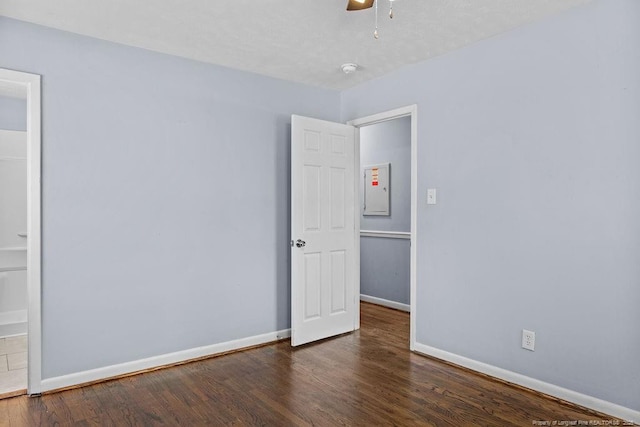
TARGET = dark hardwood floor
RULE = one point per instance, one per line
(365, 378)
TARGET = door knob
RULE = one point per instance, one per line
(300, 243)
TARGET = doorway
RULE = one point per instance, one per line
(325, 225)
(385, 208)
(20, 234)
(394, 231)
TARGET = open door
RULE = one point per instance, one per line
(323, 300)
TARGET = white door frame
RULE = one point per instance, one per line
(30, 85)
(411, 111)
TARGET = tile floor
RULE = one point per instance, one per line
(13, 364)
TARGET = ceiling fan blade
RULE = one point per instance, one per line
(359, 4)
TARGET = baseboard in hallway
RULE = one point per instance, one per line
(385, 303)
(13, 329)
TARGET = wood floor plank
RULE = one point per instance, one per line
(365, 378)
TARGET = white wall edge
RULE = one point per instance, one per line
(385, 303)
(106, 372)
(386, 234)
(356, 225)
(590, 402)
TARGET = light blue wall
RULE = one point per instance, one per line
(384, 263)
(389, 142)
(165, 198)
(384, 268)
(13, 113)
(532, 140)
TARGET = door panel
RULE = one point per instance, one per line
(322, 216)
(338, 282)
(312, 286)
(338, 198)
(311, 197)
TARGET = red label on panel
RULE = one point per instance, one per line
(374, 183)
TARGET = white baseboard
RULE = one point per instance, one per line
(9, 317)
(106, 372)
(590, 402)
(385, 303)
(13, 329)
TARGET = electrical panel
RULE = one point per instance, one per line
(377, 189)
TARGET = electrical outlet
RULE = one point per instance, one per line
(528, 340)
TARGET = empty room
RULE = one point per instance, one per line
(336, 212)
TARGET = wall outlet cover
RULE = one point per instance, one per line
(528, 340)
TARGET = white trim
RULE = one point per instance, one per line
(412, 111)
(126, 368)
(356, 226)
(590, 402)
(383, 117)
(31, 84)
(15, 316)
(414, 226)
(385, 303)
(386, 234)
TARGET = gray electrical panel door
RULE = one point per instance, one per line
(376, 189)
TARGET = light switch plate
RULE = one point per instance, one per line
(431, 196)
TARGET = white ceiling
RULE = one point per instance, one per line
(298, 40)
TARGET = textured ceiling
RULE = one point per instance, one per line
(298, 40)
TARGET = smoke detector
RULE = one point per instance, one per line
(349, 68)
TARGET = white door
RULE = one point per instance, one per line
(322, 229)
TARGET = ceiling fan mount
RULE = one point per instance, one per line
(359, 4)
(366, 4)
